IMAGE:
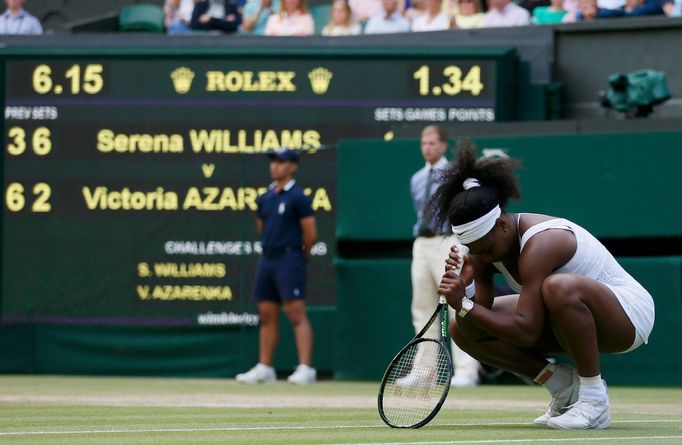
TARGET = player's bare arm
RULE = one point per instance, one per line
(545, 253)
(309, 229)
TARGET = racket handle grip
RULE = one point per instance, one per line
(463, 250)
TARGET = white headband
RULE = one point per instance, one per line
(474, 230)
(470, 183)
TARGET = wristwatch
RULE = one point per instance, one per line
(467, 305)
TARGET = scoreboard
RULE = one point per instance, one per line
(130, 177)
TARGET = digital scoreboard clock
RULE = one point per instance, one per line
(130, 176)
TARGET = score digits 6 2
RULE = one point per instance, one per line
(86, 78)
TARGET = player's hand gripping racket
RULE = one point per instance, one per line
(417, 380)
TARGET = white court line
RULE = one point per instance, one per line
(284, 428)
(544, 440)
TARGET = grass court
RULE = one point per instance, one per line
(99, 410)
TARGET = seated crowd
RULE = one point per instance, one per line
(352, 17)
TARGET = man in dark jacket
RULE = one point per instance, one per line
(219, 15)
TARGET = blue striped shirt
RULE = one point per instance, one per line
(417, 189)
(24, 23)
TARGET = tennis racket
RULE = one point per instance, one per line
(417, 380)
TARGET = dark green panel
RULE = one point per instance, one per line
(614, 185)
(159, 351)
(374, 189)
(373, 316)
(156, 351)
(16, 352)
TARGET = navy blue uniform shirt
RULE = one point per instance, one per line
(281, 213)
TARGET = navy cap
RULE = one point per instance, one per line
(285, 154)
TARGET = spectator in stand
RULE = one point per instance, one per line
(433, 19)
(673, 8)
(257, 13)
(178, 16)
(450, 7)
(571, 8)
(610, 4)
(216, 15)
(530, 5)
(363, 10)
(503, 13)
(389, 21)
(587, 11)
(590, 11)
(294, 19)
(15, 20)
(554, 13)
(470, 15)
(341, 22)
(634, 8)
(416, 9)
(603, 9)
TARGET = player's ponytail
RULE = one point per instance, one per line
(498, 184)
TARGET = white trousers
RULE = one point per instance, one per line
(428, 267)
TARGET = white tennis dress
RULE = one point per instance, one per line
(591, 259)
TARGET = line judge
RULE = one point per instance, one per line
(430, 250)
(288, 232)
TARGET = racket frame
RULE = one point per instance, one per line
(442, 313)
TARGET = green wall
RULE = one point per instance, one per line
(373, 200)
(156, 351)
(372, 316)
(615, 185)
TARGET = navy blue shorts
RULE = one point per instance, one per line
(280, 279)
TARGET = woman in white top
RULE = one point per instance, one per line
(574, 298)
(341, 21)
(469, 14)
(432, 19)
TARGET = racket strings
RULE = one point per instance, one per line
(415, 384)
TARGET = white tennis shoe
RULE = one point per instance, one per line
(561, 399)
(586, 413)
(258, 374)
(416, 380)
(303, 375)
(461, 380)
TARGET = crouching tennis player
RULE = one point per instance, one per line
(573, 297)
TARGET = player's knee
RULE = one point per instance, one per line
(296, 319)
(296, 315)
(267, 318)
(559, 291)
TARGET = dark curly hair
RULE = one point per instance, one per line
(457, 206)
